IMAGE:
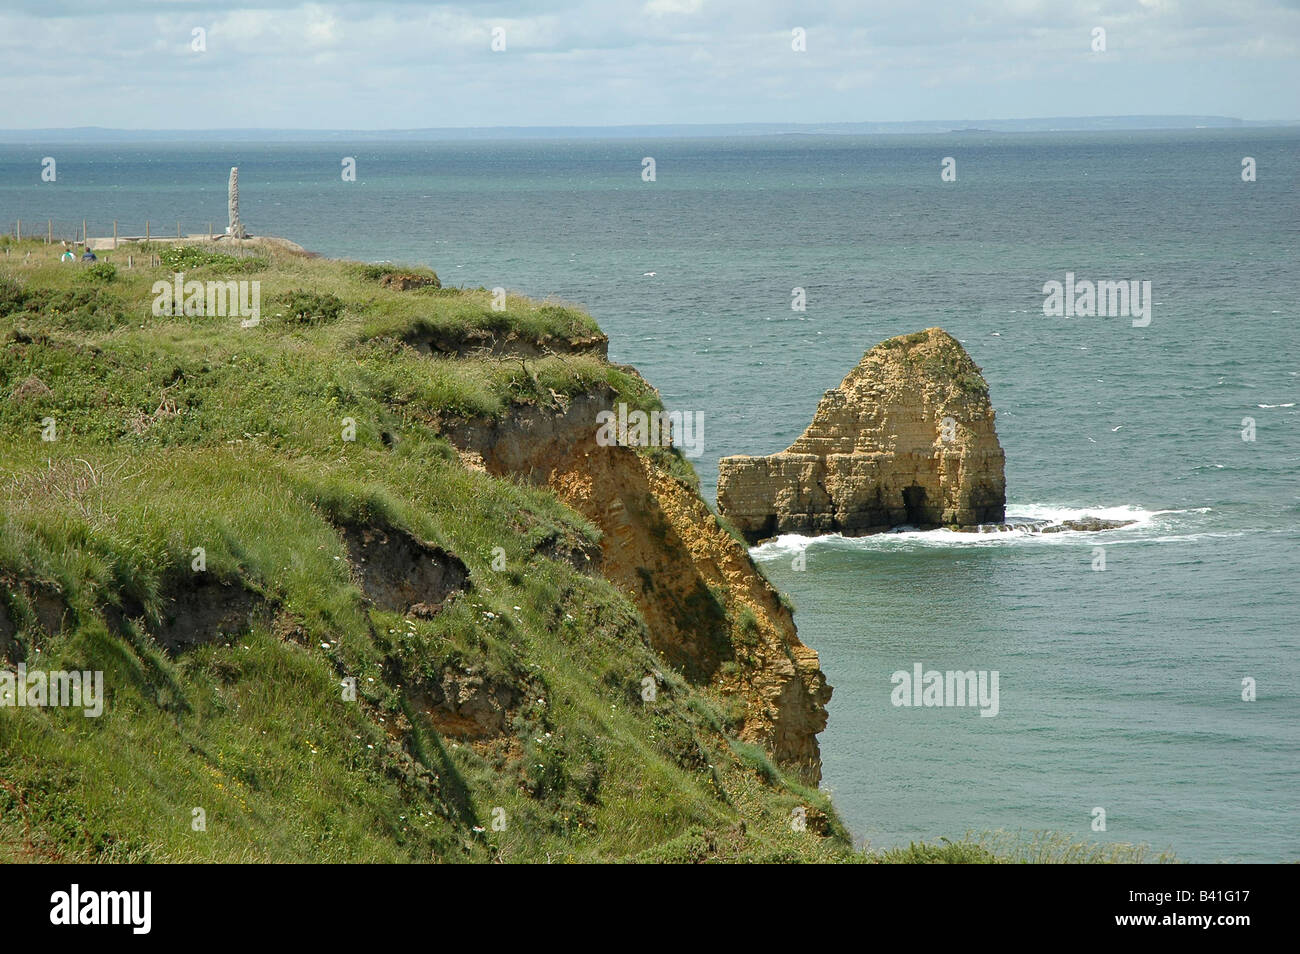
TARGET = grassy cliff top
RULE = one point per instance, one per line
(200, 528)
(940, 357)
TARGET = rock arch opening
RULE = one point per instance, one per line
(914, 504)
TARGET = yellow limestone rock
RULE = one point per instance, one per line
(907, 438)
(710, 613)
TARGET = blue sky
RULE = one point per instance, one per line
(385, 64)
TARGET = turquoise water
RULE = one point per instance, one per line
(1119, 689)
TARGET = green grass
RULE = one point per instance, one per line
(1003, 847)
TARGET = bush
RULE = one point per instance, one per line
(12, 296)
(401, 277)
(372, 273)
(102, 272)
(947, 853)
(84, 308)
(182, 257)
(757, 760)
(311, 308)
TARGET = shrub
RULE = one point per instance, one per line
(372, 273)
(101, 272)
(182, 257)
(311, 308)
(83, 308)
(756, 759)
(12, 296)
(947, 853)
(413, 276)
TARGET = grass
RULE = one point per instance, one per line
(1004, 847)
(941, 358)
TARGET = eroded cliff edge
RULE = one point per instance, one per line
(346, 640)
(710, 613)
(907, 438)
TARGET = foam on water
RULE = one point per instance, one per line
(1028, 519)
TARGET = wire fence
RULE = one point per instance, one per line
(110, 234)
(136, 248)
(127, 255)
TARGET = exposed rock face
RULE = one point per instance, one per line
(1086, 525)
(709, 612)
(206, 609)
(481, 342)
(402, 574)
(401, 281)
(907, 438)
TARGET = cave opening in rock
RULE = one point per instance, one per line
(914, 504)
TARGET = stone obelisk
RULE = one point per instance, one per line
(236, 229)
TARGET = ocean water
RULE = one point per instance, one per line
(1119, 688)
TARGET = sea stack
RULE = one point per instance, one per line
(906, 439)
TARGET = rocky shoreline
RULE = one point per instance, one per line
(1085, 524)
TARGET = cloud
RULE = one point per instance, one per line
(399, 64)
(664, 8)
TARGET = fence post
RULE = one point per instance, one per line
(49, 232)
(115, 235)
(146, 230)
(85, 236)
(19, 232)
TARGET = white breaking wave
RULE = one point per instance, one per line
(1028, 519)
(1054, 514)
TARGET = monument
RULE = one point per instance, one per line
(236, 228)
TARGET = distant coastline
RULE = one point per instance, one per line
(94, 134)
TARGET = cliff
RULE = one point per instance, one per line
(710, 613)
(362, 585)
(907, 438)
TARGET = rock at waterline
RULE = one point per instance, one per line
(1042, 526)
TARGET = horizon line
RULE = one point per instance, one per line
(1099, 123)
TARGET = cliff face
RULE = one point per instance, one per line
(907, 438)
(710, 613)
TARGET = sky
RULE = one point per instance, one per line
(389, 64)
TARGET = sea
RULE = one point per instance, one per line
(1149, 676)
